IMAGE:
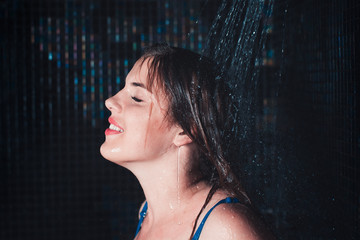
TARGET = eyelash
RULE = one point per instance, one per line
(136, 99)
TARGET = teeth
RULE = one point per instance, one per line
(113, 127)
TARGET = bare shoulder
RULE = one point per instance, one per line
(234, 221)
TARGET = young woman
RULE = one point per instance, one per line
(170, 126)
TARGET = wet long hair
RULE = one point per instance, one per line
(201, 103)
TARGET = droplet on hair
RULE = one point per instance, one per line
(230, 178)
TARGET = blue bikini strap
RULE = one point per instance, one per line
(142, 216)
(198, 231)
(226, 200)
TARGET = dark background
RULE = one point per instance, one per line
(61, 59)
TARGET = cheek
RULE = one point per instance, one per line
(159, 132)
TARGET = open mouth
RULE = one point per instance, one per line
(115, 128)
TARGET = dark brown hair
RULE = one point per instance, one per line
(201, 103)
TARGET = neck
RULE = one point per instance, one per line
(166, 184)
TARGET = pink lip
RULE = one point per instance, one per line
(109, 131)
(112, 121)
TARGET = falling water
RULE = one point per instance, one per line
(235, 42)
(178, 183)
(178, 179)
(275, 164)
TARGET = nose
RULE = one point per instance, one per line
(113, 104)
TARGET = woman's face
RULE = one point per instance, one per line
(138, 128)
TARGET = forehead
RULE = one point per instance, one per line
(142, 77)
(139, 73)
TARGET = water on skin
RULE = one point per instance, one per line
(116, 150)
(178, 178)
(178, 183)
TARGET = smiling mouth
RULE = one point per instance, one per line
(115, 128)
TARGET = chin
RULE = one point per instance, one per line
(110, 154)
(106, 153)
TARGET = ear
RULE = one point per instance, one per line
(181, 139)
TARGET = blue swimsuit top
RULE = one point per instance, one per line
(198, 231)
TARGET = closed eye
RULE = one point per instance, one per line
(136, 99)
